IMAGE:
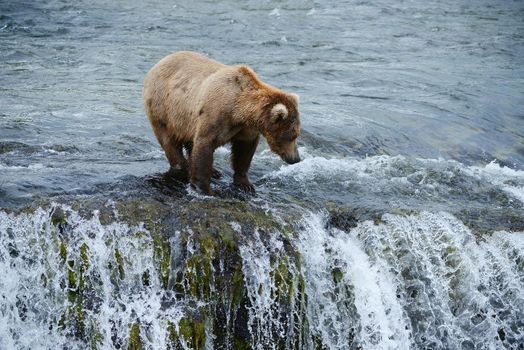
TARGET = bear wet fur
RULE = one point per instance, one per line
(198, 104)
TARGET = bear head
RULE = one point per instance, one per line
(272, 111)
(282, 127)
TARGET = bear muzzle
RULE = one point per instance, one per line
(291, 158)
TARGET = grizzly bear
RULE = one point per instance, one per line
(198, 104)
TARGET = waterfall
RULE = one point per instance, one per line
(414, 281)
(420, 281)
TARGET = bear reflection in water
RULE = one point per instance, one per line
(197, 104)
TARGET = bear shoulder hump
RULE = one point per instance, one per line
(246, 78)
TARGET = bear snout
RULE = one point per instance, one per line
(291, 159)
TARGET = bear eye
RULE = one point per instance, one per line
(289, 136)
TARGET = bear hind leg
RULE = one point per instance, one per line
(215, 174)
(172, 149)
(175, 156)
(202, 167)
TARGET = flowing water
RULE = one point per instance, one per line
(412, 123)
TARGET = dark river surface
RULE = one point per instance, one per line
(417, 79)
(406, 105)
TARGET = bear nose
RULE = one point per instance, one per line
(295, 158)
(292, 160)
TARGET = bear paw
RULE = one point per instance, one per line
(204, 189)
(245, 187)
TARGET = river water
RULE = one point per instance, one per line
(410, 109)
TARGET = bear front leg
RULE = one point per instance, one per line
(242, 154)
(202, 167)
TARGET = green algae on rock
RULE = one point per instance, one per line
(197, 266)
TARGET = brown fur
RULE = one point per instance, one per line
(201, 104)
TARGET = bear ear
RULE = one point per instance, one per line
(295, 98)
(279, 112)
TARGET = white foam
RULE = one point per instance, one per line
(34, 166)
(496, 169)
(515, 191)
(236, 226)
(154, 154)
(380, 170)
(275, 12)
(373, 172)
(194, 193)
(509, 180)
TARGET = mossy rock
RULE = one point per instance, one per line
(208, 279)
